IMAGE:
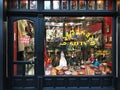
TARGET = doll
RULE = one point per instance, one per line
(92, 58)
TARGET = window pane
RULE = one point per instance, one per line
(91, 4)
(64, 4)
(56, 4)
(13, 4)
(109, 4)
(33, 4)
(24, 4)
(23, 69)
(74, 4)
(23, 40)
(29, 69)
(47, 4)
(18, 69)
(82, 4)
(118, 5)
(78, 46)
(100, 4)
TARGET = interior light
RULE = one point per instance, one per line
(99, 2)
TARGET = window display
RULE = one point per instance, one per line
(76, 46)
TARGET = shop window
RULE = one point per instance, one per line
(64, 4)
(14, 4)
(23, 43)
(91, 4)
(56, 4)
(78, 46)
(47, 4)
(100, 4)
(33, 4)
(82, 4)
(74, 4)
(23, 40)
(24, 4)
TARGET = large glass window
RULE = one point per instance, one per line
(78, 46)
(23, 46)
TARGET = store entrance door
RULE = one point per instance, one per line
(22, 53)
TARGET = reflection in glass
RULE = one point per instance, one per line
(24, 4)
(29, 69)
(14, 4)
(47, 4)
(56, 4)
(23, 40)
(91, 4)
(64, 4)
(76, 46)
(100, 4)
(33, 4)
(82, 4)
(74, 4)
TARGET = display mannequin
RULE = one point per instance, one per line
(63, 61)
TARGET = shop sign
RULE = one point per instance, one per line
(69, 36)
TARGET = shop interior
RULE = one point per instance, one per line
(78, 46)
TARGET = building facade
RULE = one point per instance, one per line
(60, 44)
